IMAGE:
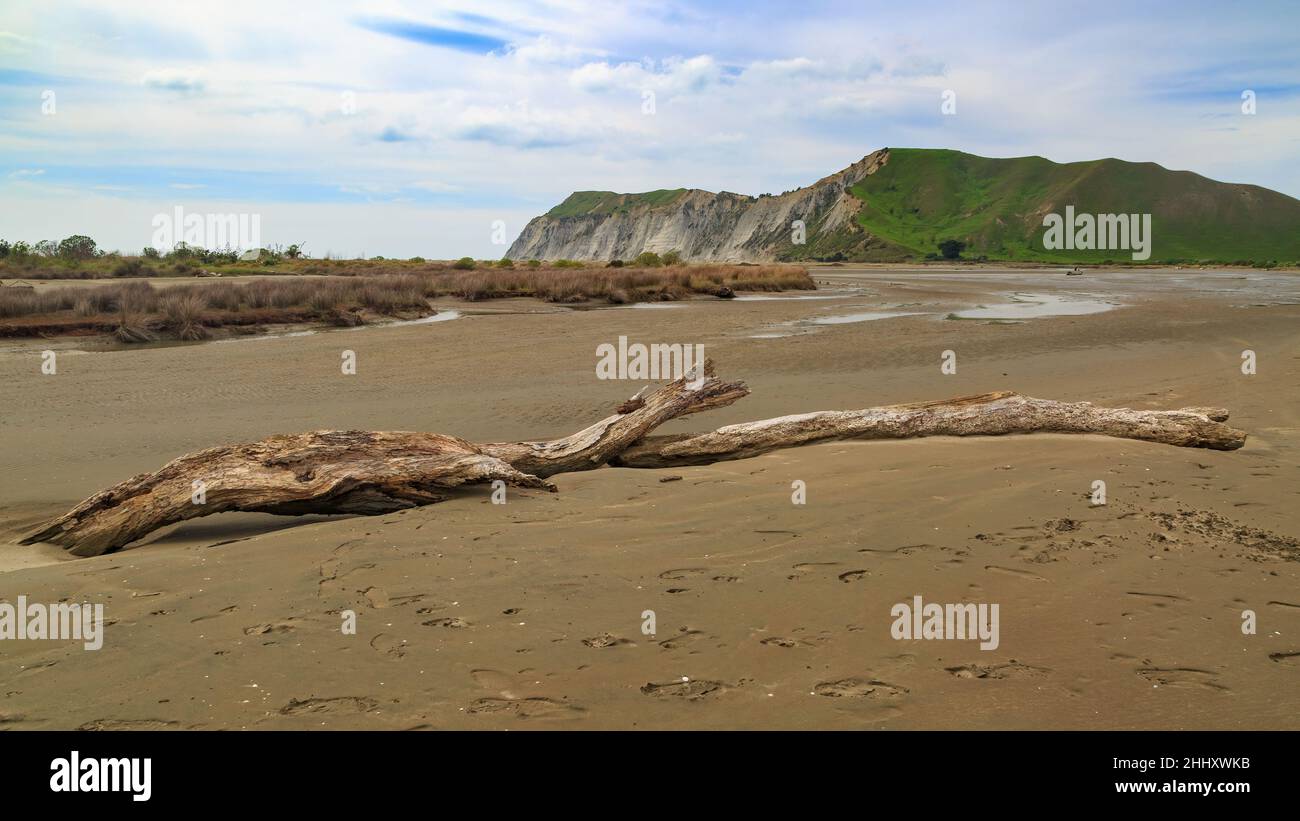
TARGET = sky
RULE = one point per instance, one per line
(439, 129)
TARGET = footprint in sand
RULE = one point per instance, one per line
(677, 574)
(605, 640)
(804, 568)
(853, 576)
(856, 687)
(1009, 670)
(450, 622)
(390, 646)
(110, 724)
(1185, 677)
(1285, 658)
(507, 699)
(271, 627)
(692, 690)
(534, 707)
(780, 641)
(329, 706)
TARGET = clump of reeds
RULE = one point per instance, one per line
(183, 314)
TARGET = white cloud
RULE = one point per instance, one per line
(546, 51)
(764, 99)
(672, 76)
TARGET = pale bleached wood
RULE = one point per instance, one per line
(593, 446)
(989, 414)
(371, 472)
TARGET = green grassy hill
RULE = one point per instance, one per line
(584, 203)
(924, 196)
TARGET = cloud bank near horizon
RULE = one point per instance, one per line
(402, 128)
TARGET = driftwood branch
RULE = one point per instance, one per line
(989, 414)
(594, 446)
(319, 472)
(367, 472)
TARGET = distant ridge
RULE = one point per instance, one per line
(898, 204)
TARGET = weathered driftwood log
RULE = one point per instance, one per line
(319, 472)
(378, 472)
(989, 414)
(594, 446)
(365, 472)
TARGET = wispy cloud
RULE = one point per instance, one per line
(506, 107)
(430, 35)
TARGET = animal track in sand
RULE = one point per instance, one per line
(856, 687)
(1009, 670)
(692, 690)
(330, 706)
(1285, 658)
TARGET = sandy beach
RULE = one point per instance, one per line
(768, 614)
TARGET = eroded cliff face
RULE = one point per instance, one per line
(704, 226)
